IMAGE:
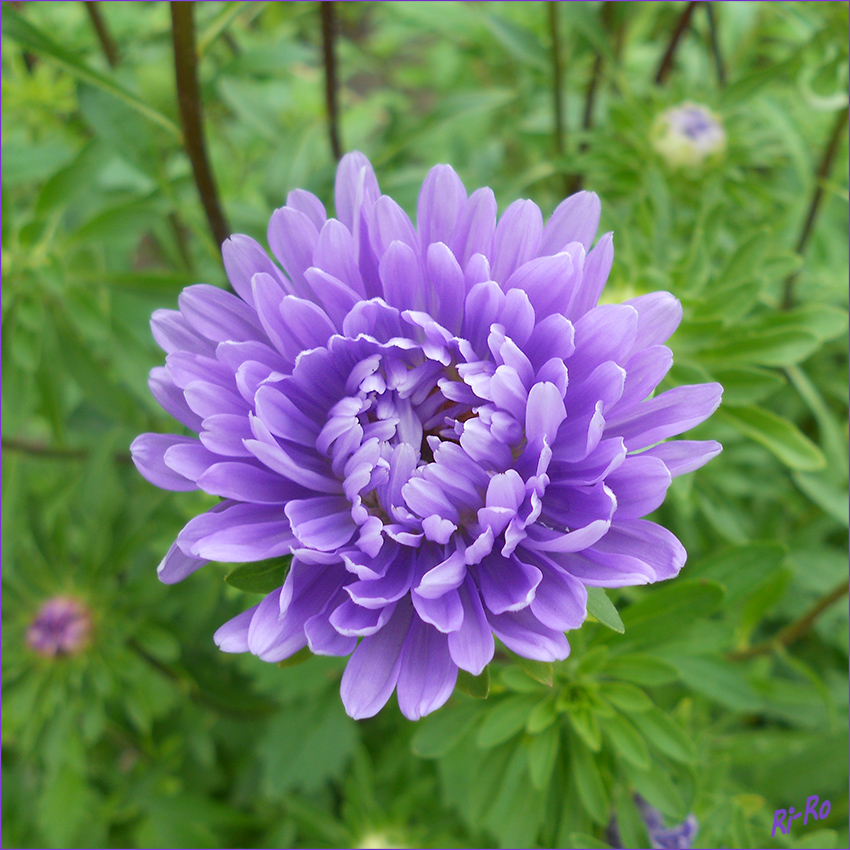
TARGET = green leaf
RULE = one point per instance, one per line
(747, 385)
(582, 839)
(778, 347)
(521, 43)
(591, 789)
(303, 654)
(31, 38)
(261, 576)
(586, 726)
(665, 612)
(627, 741)
(626, 697)
(831, 499)
(542, 716)
(504, 720)
(641, 669)
(542, 754)
(780, 436)
(741, 569)
(439, 732)
(664, 735)
(601, 607)
(656, 786)
(540, 671)
(478, 687)
(720, 681)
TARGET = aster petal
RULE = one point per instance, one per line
(475, 229)
(237, 533)
(247, 483)
(659, 314)
(576, 219)
(401, 277)
(597, 267)
(147, 451)
(544, 414)
(604, 333)
(173, 333)
(356, 186)
(446, 576)
(373, 669)
(523, 633)
(640, 485)
(446, 278)
(309, 204)
(507, 584)
(550, 283)
(666, 415)
(336, 254)
(516, 239)
(243, 258)
(218, 315)
(427, 674)
(170, 397)
(233, 635)
(472, 645)
(441, 203)
(681, 456)
(389, 223)
(646, 541)
(484, 305)
(177, 565)
(323, 522)
(645, 370)
(189, 458)
(292, 238)
(444, 612)
(560, 602)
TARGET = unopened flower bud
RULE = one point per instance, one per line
(687, 135)
(61, 627)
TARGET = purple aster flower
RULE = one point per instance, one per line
(61, 627)
(687, 135)
(679, 837)
(438, 423)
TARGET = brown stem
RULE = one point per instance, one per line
(814, 207)
(110, 49)
(715, 44)
(681, 25)
(328, 13)
(795, 630)
(557, 78)
(189, 101)
(32, 447)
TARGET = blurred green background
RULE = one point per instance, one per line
(727, 694)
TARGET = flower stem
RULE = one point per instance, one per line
(793, 631)
(715, 44)
(814, 207)
(189, 101)
(557, 78)
(31, 447)
(681, 25)
(110, 49)
(328, 13)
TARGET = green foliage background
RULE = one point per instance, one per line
(151, 737)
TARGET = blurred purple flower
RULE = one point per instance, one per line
(679, 837)
(688, 135)
(438, 422)
(62, 626)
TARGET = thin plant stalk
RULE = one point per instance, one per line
(328, 13)
(107, 43)
(557, 78)
(715, 44)
(679, 30)
(817, 197)
(191, 118)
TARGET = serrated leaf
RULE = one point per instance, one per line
(478, 687)
(641, 669)
(603, 609)
(439, 732)
(780, 436)
(665, 612)
(626, 697)
(591, 789)
(627, 741)
(664, 734)
(540, 671)
(261, 576)
(504, 720)
(542, 754)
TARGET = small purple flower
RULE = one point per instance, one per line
(687, 135)
(438, 422)
(61, 627)
(679, 837)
